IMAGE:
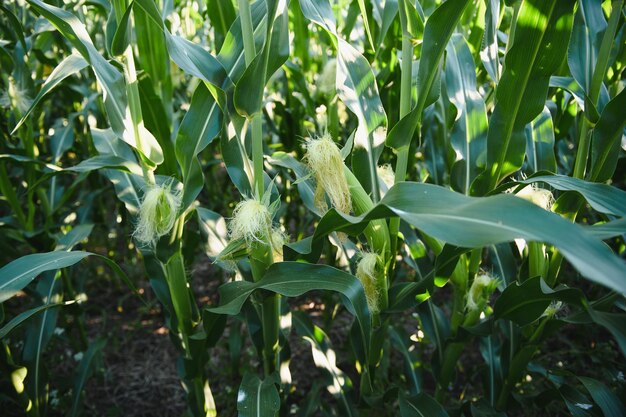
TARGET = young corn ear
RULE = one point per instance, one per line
(324, 160)
(479, 293)
(367, 271)
(539, 196)
(157, 213)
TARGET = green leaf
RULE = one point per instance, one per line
(222, 15)
(608, 230)
(437, 32)
(324, 357)
(18, 29)
(606, 138)
(258, 398)
(111, 80)
(540, 143)
(614, 323)
(22, 317)
(503, 261)
(213, 228)
(62, 139)
(69, 66)
(153, 55)
(179, 291)
(126, 185)
(83, 372)
(121, 38)
(413, 370)
(356, 87)
(321, 13)
(293, 279)
(366, 23)
(481, 221)
(40, 331)
(602, 197)
(231, 55)
(421, 405)
(489, 47)
(524, 303)
(571, 86)
(190, 57)
(306, 189)
(200, 126)
(537, 51)
(606, 399)
(156, 121)
(587, 32)
(469, 133)
(19, 273)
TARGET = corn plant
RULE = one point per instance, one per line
(447, 174)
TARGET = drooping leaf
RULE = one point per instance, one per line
(22, 317)
(18, 274)
(69, 66)
(526, 302)
(602, 197)
(293, 279)
(481, 221)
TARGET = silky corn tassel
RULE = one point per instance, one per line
(480, 291)
(366, 272)
(157, 213)
(252, 221)
(324, 160)
(539, 196)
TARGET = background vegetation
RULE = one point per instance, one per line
(312, 207)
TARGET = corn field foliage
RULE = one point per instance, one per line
(444, 180)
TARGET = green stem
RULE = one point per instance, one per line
(247, 31)
(257, 154)
(536, 260)
(582, 153)
(271, 329)
(406, 84)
